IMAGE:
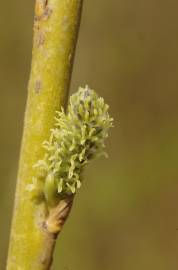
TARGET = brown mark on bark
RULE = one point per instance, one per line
(39, 38)
(38, 85)
(42, 10)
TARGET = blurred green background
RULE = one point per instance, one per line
(126, 215)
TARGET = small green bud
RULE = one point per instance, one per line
(50, 188)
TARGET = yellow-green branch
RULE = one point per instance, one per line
(55, 33)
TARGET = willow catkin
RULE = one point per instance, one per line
(77, 138)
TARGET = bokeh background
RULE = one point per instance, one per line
(126, 215)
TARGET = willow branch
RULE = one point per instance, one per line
(55, 33)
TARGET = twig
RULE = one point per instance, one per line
(55, 34)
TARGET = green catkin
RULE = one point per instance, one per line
(77, 138)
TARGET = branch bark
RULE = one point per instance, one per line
(55, 33)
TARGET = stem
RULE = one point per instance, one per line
(55, 33)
